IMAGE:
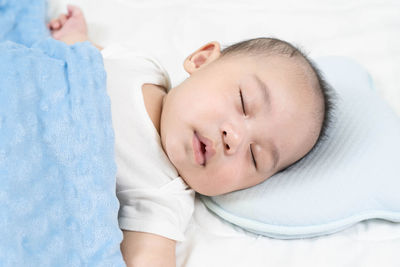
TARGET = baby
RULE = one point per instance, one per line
(244, 114)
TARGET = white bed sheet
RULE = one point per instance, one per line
(365, 30)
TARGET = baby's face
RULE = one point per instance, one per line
(238, 120)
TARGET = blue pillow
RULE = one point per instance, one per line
(353, 176)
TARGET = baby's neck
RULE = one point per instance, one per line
(153, 96)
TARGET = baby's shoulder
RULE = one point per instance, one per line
(143, 64)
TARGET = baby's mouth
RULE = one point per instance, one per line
(202, 148)
(199, 150)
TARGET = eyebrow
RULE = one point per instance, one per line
(265, 92)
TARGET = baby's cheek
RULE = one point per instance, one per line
(228, 178)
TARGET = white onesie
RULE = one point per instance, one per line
(153, 198)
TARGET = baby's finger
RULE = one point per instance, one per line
(50, 23)
(63, 19)
(54, 24)
(73, 10)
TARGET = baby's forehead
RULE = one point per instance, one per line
(291, 72)
(295, 63)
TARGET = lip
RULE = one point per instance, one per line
(200, 157)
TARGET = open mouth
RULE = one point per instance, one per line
(203, 149)
(199, 150)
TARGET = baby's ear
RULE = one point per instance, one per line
(201, 57)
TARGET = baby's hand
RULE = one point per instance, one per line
(69, 28)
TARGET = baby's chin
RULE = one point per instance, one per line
(190, 181)
(203, 187)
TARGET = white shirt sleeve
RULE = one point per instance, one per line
(165, 211)
(153, 198)
(135, 62)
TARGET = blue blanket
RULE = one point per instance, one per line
(22, 21)
(57, 170)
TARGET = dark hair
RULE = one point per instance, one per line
(273, 46)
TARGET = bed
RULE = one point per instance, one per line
(367, 31)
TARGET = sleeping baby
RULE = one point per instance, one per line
(244, 114)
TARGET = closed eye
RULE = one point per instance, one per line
(242, 101)
(254, 159)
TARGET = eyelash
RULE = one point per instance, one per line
(252, 156)
(242, 101)
(244, 112)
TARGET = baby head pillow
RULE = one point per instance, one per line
(352, 176)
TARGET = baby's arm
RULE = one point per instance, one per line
(70, 28)
(145, 249)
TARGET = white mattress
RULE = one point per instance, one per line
(365, 30)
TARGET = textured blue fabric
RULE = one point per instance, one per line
(353, 176)
(57, 171)
(22, 21)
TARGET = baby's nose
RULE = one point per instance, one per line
(231, 138)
